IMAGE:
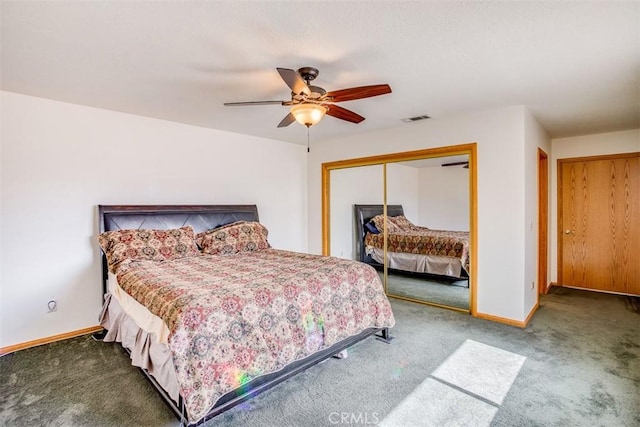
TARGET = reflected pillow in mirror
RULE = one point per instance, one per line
(378, 220)
(402, 222)
(371, 228)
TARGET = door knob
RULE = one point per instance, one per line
(568, 231)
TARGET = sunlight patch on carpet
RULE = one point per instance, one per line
(435, 404)
(481, 369)
(465, 390)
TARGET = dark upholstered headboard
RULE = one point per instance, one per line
(162, 217)
(362, 215)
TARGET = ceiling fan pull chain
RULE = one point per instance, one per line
(308, 150)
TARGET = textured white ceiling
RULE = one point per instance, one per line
(575, 65)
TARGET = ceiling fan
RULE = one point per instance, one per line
(465, 165)
(310, 103)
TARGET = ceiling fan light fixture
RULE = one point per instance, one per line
(308, 114)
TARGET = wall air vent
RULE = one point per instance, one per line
(415, 119)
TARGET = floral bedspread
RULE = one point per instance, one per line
(235, 317)
(422, 240)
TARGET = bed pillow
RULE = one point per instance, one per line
(378, 221)
(371, 228)
(155, 245)
(242, 236)
(402, 222)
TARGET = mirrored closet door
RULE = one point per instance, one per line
(428, 243)
(410, 215)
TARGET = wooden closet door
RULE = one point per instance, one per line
(599, 228)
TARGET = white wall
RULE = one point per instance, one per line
(534, 137)
(627, 141)
(444, 198)
(501, 183)
(60, 160)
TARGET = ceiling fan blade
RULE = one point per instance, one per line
(294, 81)
(456, 164)
(358, 92)
(289, 118)
(344, 114)
(239, 104)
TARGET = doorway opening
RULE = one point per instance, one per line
(543, 221)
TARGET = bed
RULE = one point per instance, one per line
(212, 330)
(412, 248)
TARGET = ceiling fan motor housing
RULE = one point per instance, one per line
(316, 93)
(308, 73)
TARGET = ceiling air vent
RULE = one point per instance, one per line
(415, 119)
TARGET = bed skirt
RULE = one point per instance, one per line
(418, 263)
(145, 351)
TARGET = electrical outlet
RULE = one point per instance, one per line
(52, 306)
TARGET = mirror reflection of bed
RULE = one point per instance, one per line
(428, 195)
(435, 199)
(423, 263)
